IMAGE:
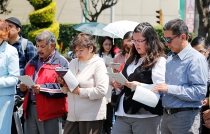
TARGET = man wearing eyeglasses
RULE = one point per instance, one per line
(185, 82)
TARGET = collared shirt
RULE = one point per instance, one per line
(29, 54)
(186, 76)
(40, 64)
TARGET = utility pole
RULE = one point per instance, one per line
(112, 14)
(85, 12)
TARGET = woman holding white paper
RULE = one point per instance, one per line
(9, 66)
(146, 64)
(107, 51)
(87, 102)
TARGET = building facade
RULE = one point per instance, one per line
(69, 11)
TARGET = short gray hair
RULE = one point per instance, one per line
(46, 35)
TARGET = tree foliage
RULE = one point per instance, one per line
(204, 17)
(95, 7)
(3, 7)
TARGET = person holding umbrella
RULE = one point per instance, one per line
(146, 64)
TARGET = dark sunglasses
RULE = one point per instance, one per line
(168, 39)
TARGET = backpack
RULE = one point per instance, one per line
(24, 44)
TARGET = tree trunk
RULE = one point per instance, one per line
(203, 26)
(203, 20)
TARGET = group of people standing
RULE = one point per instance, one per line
(181, 79)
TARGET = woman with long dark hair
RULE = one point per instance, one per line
(106, 47)
(107, 50)
(146, 64)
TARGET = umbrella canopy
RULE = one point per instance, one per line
(93, 28)
(120, 28)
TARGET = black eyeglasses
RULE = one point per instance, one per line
(168, 39)
(137, 41)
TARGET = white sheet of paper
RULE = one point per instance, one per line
(25, 79)
(108, 60)
(115, 65)
(144, 95)
(70, 80)
(119, 77)
(109, 70)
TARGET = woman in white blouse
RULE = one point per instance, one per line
(107, 50)
(146, 64)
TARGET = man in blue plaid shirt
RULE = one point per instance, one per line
(15, 40)
(25, 54)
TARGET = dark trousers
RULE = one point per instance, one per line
(83, 127)
(13, 127)
(107, 125)
(203, 129)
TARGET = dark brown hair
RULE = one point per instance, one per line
(101, 50)
(178, 27)
(125, 48)
(154, 48)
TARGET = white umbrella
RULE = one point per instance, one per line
(120, 28)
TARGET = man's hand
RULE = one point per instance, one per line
(23, 87)
(206, 115)
(36, 88)
(160, 88)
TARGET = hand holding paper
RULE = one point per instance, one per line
(132, 85)
(119, 77)
(144, 95)
(115, 65)
(25, 79)
(70, 80)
